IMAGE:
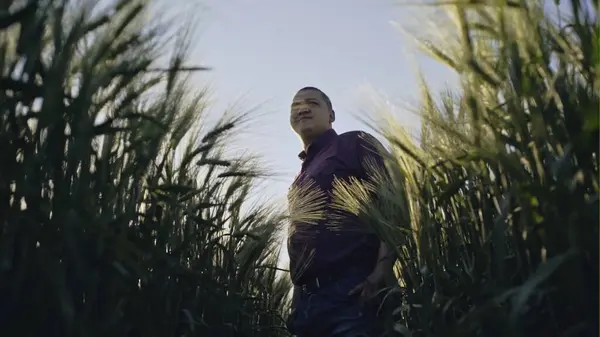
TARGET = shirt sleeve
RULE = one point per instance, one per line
(371, 154)
(371, 157)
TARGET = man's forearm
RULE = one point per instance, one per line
(386, 258)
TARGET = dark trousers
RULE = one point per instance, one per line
(328, 310)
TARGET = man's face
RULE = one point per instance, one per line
(310, 116)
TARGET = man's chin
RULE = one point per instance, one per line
(306, 131)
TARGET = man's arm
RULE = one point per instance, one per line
(386, 257)
(371, 154)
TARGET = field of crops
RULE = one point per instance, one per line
(121, 213)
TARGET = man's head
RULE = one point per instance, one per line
(311, 113)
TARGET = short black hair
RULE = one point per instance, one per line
(324, 95)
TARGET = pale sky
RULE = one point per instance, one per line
(263, 51)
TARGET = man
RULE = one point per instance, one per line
(336, 263)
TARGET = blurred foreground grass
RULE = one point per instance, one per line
(120, 214)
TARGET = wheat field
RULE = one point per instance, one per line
(121, 213)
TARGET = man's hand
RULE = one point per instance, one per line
(369, 287)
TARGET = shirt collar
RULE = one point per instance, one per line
(318, 143)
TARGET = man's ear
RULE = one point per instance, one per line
(332, 116)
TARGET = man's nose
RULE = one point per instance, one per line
(303, 112)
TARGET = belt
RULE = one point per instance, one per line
(313, 284)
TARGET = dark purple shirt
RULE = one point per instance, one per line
(333, 240)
